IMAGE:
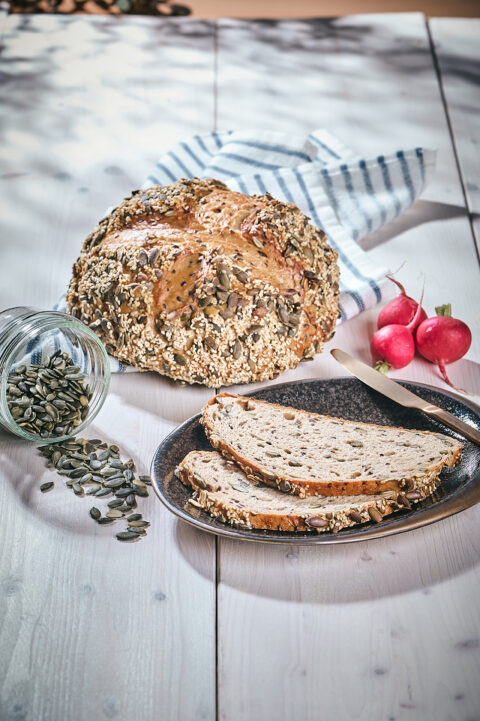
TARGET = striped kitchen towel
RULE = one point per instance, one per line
(344, 194)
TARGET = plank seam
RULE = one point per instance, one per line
(438, 72)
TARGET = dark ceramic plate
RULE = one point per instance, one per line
(346, 398)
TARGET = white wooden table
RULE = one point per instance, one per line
(183, 626)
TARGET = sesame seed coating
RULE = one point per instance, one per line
(207, 285)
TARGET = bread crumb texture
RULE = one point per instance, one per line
(310, 454)
(227, 494)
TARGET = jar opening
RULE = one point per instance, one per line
(55, 376)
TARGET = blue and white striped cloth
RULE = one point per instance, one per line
(344, 194)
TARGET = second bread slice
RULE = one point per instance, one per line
(224, 491)
(309, 454)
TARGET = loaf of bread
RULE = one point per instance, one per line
(309, 454)
(227, 494)
(207, 285)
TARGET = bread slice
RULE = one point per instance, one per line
(225, 492)
(309, 454)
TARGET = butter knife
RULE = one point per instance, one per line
(401, 395)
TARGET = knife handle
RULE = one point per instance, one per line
(454, 423)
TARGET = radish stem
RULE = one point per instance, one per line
(397, 283)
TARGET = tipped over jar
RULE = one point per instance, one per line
(54, 374)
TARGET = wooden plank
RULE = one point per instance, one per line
(92, 628)
(457, 48)
(385, 629)
(88, 105)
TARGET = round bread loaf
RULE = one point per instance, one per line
(207, 285)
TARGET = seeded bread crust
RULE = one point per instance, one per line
(227, 494)
(422, 479)
(207, 285)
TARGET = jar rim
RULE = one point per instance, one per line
(50, 320)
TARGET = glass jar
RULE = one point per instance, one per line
(36, 371)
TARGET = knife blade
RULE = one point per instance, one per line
(399, 394)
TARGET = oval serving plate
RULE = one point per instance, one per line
(346, 398)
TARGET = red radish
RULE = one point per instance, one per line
(393, 346)
(401, 310)
(443, 339)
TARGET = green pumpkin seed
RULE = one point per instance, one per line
(224, 279)
(114, 513)
(233, 299)
(93, 489)
(115, 503)
(180, 359)
(138, 482)
(103, 492)
(139, 491)
(316, 522)
(47, 410)
(241, 275)
(142, 258)
(226, 314)
(115, 482)
(126, 536)
(375, 514)
(237, 350)
(124, 492)
(153, 255)
(94, 463)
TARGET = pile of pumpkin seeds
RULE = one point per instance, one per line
(94, 468)
(50, 399)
